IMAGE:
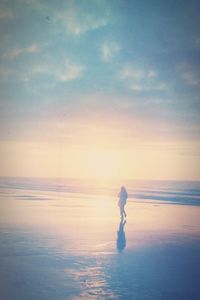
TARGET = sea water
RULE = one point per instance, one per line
(177, 192)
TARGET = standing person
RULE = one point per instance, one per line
(122, 201)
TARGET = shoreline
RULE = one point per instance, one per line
(54, 246)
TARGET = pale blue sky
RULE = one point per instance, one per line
(68, 67)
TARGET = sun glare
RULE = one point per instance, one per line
(102, 164)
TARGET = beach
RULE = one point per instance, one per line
(65, 240)
(100, 99)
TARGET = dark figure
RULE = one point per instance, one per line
(121, 238)
(122, 201)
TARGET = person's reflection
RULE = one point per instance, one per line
(121, 237)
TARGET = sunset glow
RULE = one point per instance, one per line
(98, 93)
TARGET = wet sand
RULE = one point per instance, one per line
(58, 246)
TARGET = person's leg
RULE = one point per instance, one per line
(121, 211)
(124, 211)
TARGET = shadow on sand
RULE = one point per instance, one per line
(121, 237)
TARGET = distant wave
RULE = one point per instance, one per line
(174, 192)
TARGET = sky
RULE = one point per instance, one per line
(100, 89)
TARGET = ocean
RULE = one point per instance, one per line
(163, 191)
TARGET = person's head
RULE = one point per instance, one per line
(123, 188)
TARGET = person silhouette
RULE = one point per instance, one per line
(121, 237)
(123, 195)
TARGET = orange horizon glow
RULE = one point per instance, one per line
(100, 161)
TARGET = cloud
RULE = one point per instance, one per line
(76, 17)
(143, 87)
(196, 42)
(15, 52)
(64, 71)
(152, 74)
(5, 73)
(6, 14)
(75, 27)
(191, 78)
(189, 73)
(35, 4)
(128, 72)
(70, 72)
(80, 19)
(109, 50)
(67, 72)
(141, 79)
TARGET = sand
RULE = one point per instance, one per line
(68, 246)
